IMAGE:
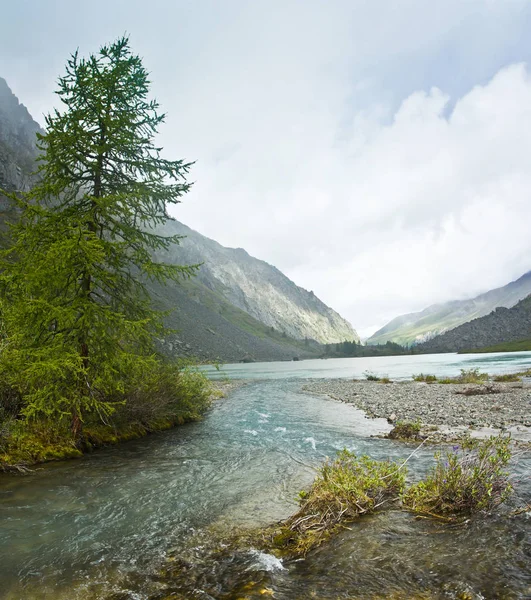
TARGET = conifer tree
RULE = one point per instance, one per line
(76, 310)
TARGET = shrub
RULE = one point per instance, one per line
(385, 380)
(507, 377)
(165, 395)
(471, 376)
(405, 430)
(345, 488)
(371, 376)
(466, 480)
(425, 378)
(466, 376)
(170, 393)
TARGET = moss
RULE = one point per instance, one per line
(32, 443)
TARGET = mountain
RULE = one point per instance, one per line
(500, 326)
(248, 307)
(421, 326)
(258, 288)
(236, 308)
(17, 141)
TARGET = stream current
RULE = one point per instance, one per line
(145, 520)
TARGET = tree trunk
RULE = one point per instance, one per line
(76, 425)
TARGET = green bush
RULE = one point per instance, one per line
(345, 488)
(425, 378)
(466, 480)
(371, 376)
(170, 392)
(164, 395)
(466, 376)
(506, 378)
(472, 376)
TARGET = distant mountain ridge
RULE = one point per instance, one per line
(500, 326)
(419, 327)
(237, 308)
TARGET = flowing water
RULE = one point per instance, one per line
(145, 520)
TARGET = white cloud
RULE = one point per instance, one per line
(446, 203)
(377, 153)
(433, 205)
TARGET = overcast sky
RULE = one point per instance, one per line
(377, 152)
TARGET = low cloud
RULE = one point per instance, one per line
(430, 205)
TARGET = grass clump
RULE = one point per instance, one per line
(465, 480)
(405, 430)
(466, 376)
(425, 378)
(369, 376)
(344, 489)
(472, 376)
(508, 377)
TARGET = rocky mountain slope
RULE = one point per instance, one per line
(421, 326)
(238, 307)
(259, 289)
(500, 326)
(17, 141)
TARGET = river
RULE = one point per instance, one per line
(113, 524)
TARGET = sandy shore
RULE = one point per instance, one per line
(439, 407)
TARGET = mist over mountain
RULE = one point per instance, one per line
(419, 327)
(17, 142)
(501, 326)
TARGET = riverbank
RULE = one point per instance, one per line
(25, 444)
(444, 411)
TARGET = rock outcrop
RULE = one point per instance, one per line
(259, 289)
(17, 141)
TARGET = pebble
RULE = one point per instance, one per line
(433, 404)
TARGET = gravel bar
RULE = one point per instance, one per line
(441, 405)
